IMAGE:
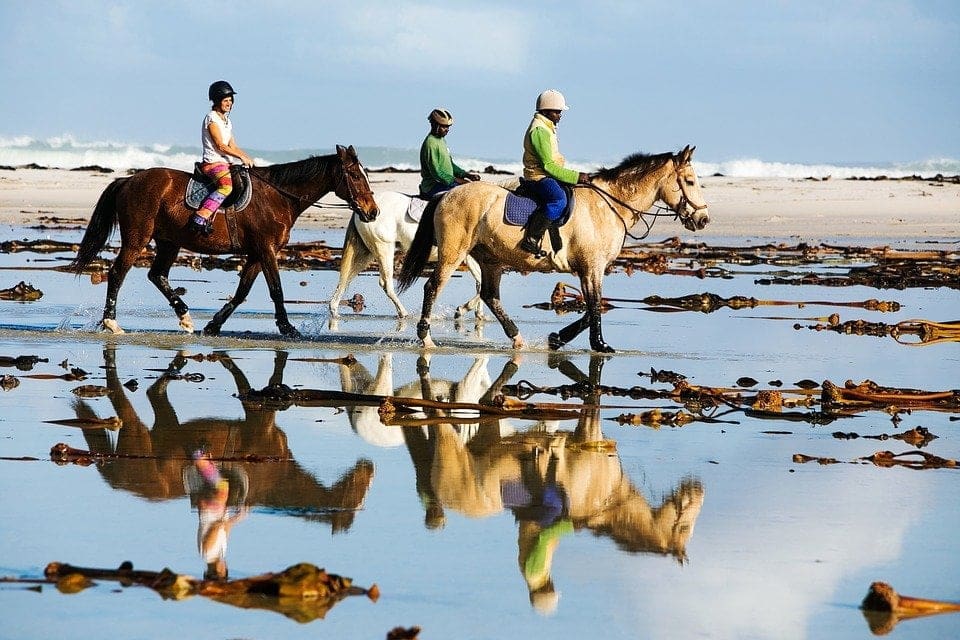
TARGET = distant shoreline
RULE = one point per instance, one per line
(492, 170)
(746, 210)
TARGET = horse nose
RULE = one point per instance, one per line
(369, 214)
(702, 219)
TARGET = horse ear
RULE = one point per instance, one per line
(685, 154)
(340, 149)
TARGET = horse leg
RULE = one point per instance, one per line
(490, 293)
(159, 271)
(248, 273)
(384, 255)
(118, 271)
(353, 260)
(430, 288)
(474, 303)
(568, 333)
(592, 286)
(271, 271)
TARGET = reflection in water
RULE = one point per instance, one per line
(552, 480)
(210, 491)
(164, 463)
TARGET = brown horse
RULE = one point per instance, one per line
(150, 204)
(469, 220)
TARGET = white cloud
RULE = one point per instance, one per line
(433, 39)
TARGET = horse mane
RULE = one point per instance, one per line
(639, 163)
(298, 171)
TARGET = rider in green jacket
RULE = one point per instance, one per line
(438, 171)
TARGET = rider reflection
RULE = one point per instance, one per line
(541, 507)
(211, 491)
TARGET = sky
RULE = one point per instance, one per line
(809, 82)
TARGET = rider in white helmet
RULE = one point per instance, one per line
(543, 169)
(438, 171)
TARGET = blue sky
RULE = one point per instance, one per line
(814, 81)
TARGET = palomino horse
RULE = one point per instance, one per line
(150, 204)
(378, 239)
(469, 221)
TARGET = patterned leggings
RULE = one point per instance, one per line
(219, 171)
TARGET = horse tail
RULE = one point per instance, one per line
(419, 252)
(352, 239)
(102, 223)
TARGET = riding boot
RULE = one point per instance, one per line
(199, 225)
(533, 233)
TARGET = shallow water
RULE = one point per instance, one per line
(706, 530)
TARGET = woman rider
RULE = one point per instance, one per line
(543, 169)
(220, 150)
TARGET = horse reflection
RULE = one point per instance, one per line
(161, 470)
(365, 420)
(554, 482)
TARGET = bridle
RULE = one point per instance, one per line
(345, 178)
(684, 211)
(351, 193)
(685, 201)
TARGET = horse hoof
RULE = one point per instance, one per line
(186, 323)
(553, 341)
(290, 332)
(518, 342)
(427, 342)
(111, 325)
(211, 330)
(602, 347)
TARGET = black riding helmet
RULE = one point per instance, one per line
(219, 90)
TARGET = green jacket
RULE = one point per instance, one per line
(436, 165)
(541, 154)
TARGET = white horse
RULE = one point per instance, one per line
(366, 241)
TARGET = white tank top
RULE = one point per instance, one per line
(210, 151)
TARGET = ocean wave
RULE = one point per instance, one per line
(68, 152)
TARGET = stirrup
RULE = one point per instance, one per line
(530, 246)
(199, 225)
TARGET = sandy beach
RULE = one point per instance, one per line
(748, 208)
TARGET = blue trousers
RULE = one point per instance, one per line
(550, 195)
(440, 188)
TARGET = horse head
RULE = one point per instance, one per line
(686, 199)
(352, 185)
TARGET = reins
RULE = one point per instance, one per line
(352, 204)
(642, 215)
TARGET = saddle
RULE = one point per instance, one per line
(200, 185)
(417, 204)
(518, 207)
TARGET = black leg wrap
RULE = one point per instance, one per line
(423, 328)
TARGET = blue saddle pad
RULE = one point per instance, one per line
(517, 209)
(197, 191)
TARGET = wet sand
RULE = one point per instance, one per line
(706, 529)
(811, 210)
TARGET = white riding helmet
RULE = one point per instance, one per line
(441, 116)
(551, 99)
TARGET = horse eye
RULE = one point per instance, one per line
(690, 182)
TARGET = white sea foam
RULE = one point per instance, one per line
(68, 152)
